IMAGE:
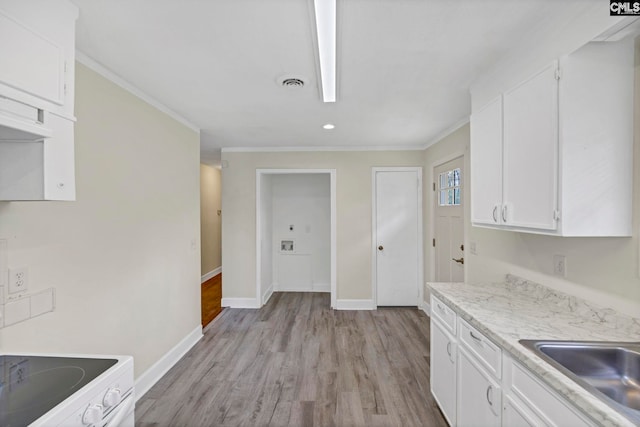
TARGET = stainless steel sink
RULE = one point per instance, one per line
(609, 370)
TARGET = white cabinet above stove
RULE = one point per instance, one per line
(37, 38)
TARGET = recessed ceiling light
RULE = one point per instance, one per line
(328, 126)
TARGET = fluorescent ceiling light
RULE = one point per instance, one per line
(326, 29)
(328, 126)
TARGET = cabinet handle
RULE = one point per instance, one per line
(504, 213)
(490, 395)
(449, 349)
(495, 213)
(475, 337)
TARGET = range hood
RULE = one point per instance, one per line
(22, 122)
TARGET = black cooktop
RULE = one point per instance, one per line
(30, 386)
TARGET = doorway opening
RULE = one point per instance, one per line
(295, 232)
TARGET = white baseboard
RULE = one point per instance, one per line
(212, 273)
(355, 304)
(322, 287)
(240, 302)
(293, 289)
(151, 376)
(267, 294)
(426, 308)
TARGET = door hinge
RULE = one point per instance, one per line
(556, 215)
(434, 243)
(557, 74)
(434, 186)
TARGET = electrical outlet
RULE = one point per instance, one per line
(18, 280)
(560, 265)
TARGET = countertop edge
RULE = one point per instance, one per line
(589, 406)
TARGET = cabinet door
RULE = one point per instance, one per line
(486, 163)
(443, 370)
(514, 415)
(479, 395)
(59, 161)
(30, 62)
(531, 152)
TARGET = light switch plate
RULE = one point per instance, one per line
(473, 248)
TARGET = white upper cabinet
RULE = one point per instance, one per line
(553, 155)
(37, 40)
(39, 170)
(486, 162)
(531, 152)
(35, 64)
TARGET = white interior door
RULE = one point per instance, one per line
(397, 228)
(449, 223)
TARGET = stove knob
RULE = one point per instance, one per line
(92, 414)
(112, 397)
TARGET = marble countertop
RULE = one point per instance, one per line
(519, 309)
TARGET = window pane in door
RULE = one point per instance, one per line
(450, 188)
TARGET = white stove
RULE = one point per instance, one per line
(77, 390)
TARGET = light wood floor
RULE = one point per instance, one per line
(297, 362)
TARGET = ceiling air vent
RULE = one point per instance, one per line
(291, 82)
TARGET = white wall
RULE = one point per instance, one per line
(302, 200)
(267, 241)
(124, 258)
(353, 204)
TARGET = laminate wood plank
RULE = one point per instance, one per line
(349, 410)
(297, 362)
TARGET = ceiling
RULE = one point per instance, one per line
(404, 66)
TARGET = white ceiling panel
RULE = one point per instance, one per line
(404, 66)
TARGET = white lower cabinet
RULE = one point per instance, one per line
(535, 402)
(476, 383)
(443, 370)
(515, 414)
(479, 395)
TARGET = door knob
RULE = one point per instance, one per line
(380, 247)
(459, 261)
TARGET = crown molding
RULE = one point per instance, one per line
(448, 131)
(94, 65)
(317, 148)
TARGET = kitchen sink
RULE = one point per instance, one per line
(608, 370)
